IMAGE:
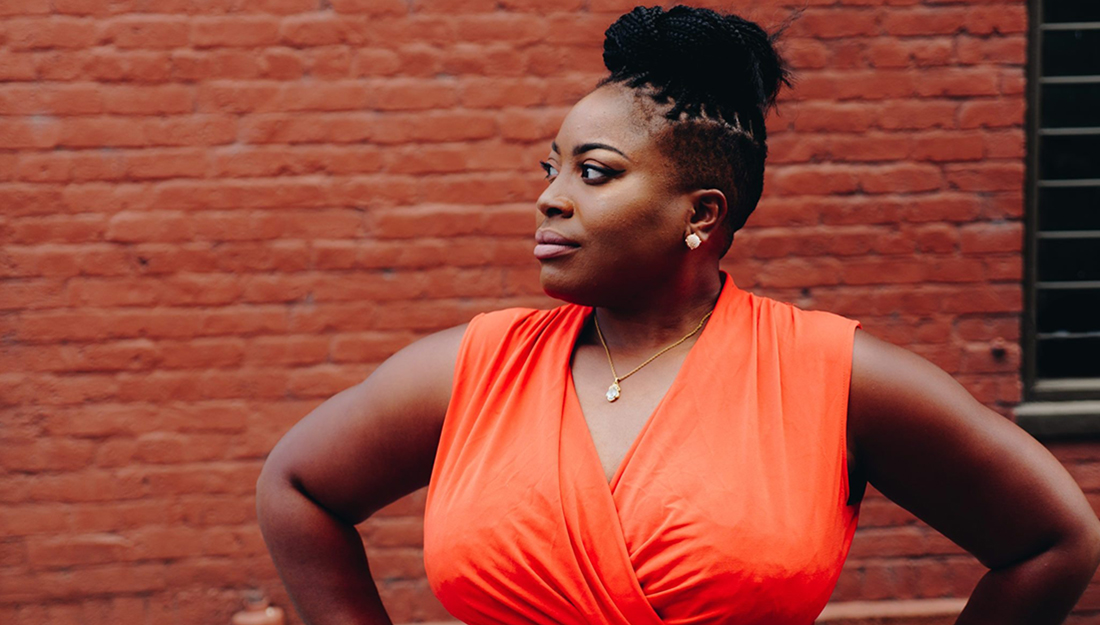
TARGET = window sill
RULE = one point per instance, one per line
(1059, 419)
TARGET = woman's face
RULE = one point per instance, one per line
(611, 222)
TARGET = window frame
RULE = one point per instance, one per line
(1052, 408)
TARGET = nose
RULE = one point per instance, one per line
(552, 202)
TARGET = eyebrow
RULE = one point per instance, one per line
(587, 147)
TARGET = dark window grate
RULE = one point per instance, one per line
(1062, 330)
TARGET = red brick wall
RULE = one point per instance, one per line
(216, 214)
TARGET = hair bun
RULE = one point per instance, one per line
(698, 58)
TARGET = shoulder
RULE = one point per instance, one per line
(514, 325)
(790, 314)
(800, 329)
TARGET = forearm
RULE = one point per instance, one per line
(319, 558)
(1039, 591)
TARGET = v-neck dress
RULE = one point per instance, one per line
(729, 508)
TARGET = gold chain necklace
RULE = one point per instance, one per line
(614, 391)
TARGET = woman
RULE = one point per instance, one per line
(664, 448)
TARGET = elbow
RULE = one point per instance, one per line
(1090, 542)
(271, 486)
(1080, 545)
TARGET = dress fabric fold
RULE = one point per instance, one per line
(731, 506)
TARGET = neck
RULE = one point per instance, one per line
(666, 315)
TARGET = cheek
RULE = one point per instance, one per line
(651, 217)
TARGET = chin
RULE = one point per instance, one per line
(572, 286)
(562, 284)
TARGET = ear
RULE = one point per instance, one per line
(708, 212)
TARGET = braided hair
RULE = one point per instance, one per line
(717, 75)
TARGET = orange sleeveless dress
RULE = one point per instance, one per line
(729, 508)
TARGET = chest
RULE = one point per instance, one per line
(615, 426)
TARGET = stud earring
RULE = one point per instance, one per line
(693, 241)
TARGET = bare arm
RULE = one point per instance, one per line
(360, 450)
(923, 441)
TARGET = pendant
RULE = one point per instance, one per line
(613, 391)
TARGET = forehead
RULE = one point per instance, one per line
(614, 115)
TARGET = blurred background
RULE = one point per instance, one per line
(214, 214)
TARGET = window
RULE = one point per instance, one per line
(1062, 326)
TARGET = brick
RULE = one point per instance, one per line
(370, 7)
(66, 551)
(51, 32)
(834, 23)
(901, 179)
(987, 20)
(914, 115)
(924, 22)
(24, 7)
(456, 125)
(310, 128)
(992, 299)
(405, 95)
(1008, 144)
(200, 353)
(149, 32)
(883, 271)
(804, 53)
(38, 100)
(892, 53)
(372, 347)
(194, 66)
(30, 135)
(17, 65)
(991, 114)
(168, 163)
(492, 60)
(139, 66)
(329, 62)
(1013, 82)
(281, 64)
(238, 97)
(985, 238)
(957, 82)
(319, 30)
(832, 117)
(376, 62)
(500, 92)
(97, 132)
(947, 147)
(877, 85)
(1010, 50)
(34, 293)
(575, 28)
(869, 147)
(59, 229)
(801, 273)
(278, 7)
(509, 27)
(245, 31)
(991, 176)
(937, 238)
(47, 455)
(1005, 205)
(457, 6)
(159, 100)
(328, 96)
(80, 7)
(134, 227)
(162, 448)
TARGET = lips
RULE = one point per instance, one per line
(550, 244)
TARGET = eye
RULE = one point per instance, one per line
(551, 171)
(592, 173)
